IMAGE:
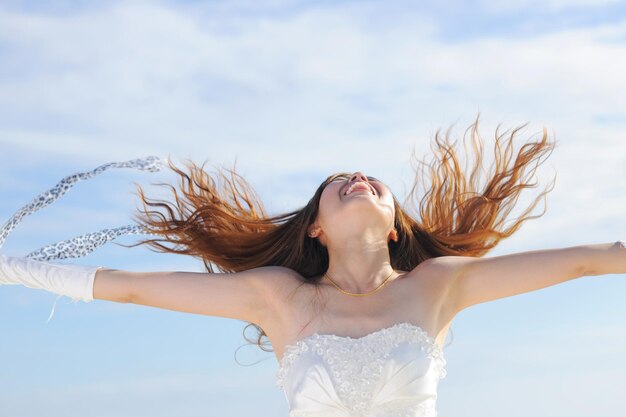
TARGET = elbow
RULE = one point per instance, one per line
(583, 262)
(127, 298)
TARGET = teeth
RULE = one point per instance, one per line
(359, 183)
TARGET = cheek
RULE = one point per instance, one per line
(331, 192)
(329, 201)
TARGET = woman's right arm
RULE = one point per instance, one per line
(248, 295)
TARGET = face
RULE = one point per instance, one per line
(357, 213)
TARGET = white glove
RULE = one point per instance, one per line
(74, 281)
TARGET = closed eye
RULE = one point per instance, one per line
(346, 179)
(373, 180)
(373, 183)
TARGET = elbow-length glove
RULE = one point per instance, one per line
(74, 281)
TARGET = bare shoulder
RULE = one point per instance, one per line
(278, 286)
(437, 276)
(439, 271)
(274, 280)
(278, 276)
(444, 270)
(448, 263)
(276, 283)
(456, 267)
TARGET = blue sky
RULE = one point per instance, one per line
(294, 91)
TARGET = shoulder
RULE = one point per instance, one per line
(441, 276)
(441, 268)
(273, 278)
(278, 287)
(448, 266)
(438, 275)
(276, 282)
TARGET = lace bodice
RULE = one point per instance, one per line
(391, 372)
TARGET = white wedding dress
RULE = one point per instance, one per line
(392, 372)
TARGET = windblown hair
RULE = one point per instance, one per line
(225, 224)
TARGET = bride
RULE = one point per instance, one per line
(355, 294)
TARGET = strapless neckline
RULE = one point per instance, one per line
(291, 349)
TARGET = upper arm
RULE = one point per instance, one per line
(244, 295)
(478, 280)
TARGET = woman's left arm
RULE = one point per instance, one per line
(478, 280)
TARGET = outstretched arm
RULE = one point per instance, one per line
(245, 295)
(249, 295)
(478, 280)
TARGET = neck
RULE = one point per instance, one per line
(359, 268)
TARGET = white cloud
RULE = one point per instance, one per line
(511, 6)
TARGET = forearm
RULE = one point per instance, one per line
(112, 285)
(603, 258)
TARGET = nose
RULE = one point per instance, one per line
(358, 176)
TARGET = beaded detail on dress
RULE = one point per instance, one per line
(391, 372)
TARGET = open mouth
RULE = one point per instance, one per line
(360, 186)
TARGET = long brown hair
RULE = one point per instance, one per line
(224, 223)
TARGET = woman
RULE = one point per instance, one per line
(390, 284)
